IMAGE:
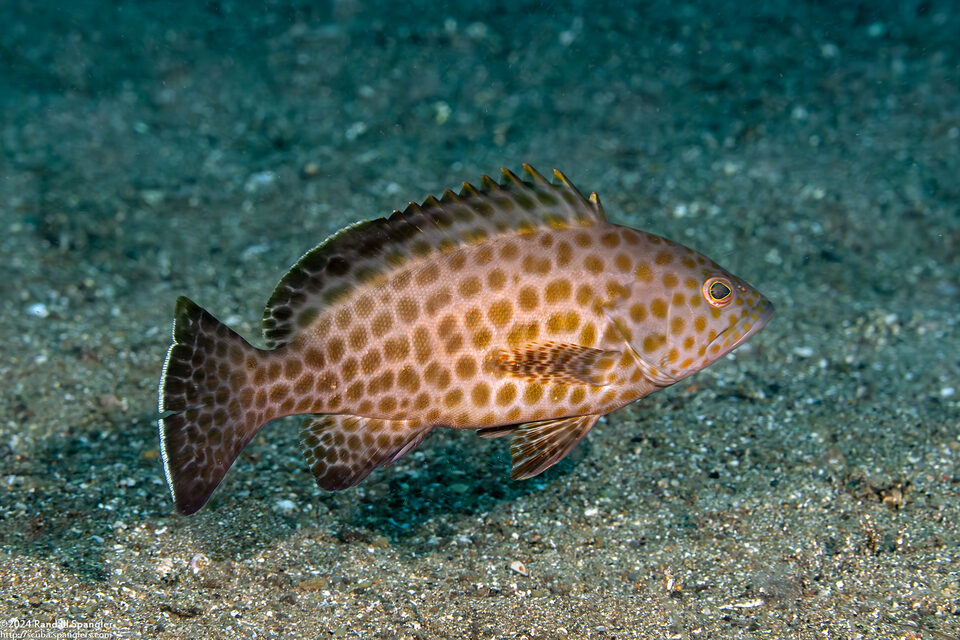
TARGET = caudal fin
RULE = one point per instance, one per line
(206, 404)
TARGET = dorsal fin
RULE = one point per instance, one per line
(365, 251)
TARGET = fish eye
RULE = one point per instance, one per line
(718, 292)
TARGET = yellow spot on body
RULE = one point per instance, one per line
(506, 394)
(677, 325)
(344, 318)
(473, 318)
(437, 376)
(446, 326)
(370, 361)
(382, 323)
(349, 369)
(453, 398)
(584, 295)
(408, 380)
(500, 312)
(670, 280)
(623, 263)
(480, 394)
(560, 322)
(437, 301)
(564, 254)
(653, 342)
(481, 339)
(527, 298)
(616, 290)
(533, 393)
(453, 343)
(577, 396)
(643, 272)
(593, 264)
(509, 251)
(358, 338)
(457, 261)
(407, 309)
(470, 286)
(364, 306)
(610, 239)
(422, 347)
(496, 279)
(466, 367)
(535, 265)
(428, 275)
(355, 391)
(484, 255)
(388, 404)
(658, 308)
(335, 350)
(557, 291)
(663, 257)
(588, 335)
(516, 336)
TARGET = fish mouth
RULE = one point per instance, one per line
(757, 320)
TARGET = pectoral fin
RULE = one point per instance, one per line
(559, 362)
(537, 446)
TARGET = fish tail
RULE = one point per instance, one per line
(206, 404)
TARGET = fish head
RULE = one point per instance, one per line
(683, 311)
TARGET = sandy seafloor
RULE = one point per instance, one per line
(805, 487)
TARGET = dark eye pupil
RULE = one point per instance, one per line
(719, 291)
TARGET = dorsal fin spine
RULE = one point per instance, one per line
(535, 175)
(468, 190)
(512, 178)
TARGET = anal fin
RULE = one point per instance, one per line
(342, 450)
(537, 446)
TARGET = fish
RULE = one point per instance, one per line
(511, 309)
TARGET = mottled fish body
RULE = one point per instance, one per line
(513, 309)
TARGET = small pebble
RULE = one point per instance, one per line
(285, 506)
(38, 310)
